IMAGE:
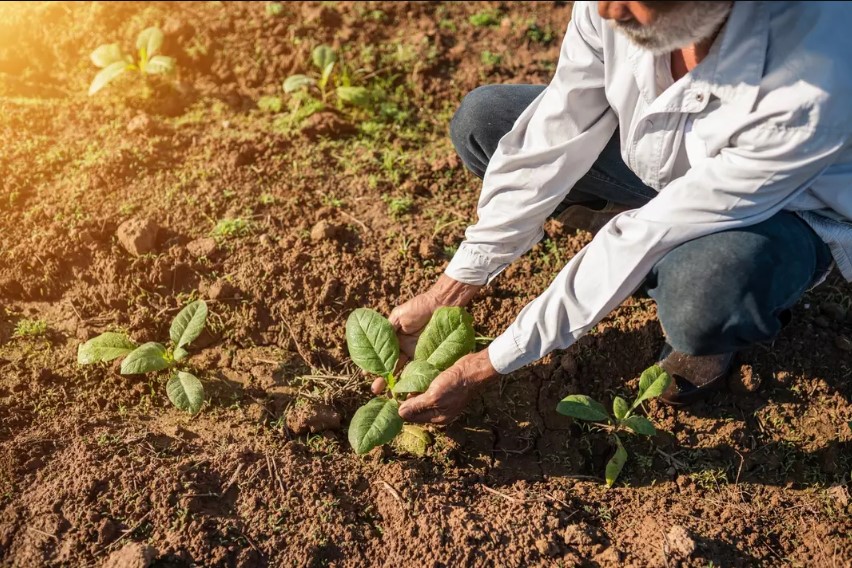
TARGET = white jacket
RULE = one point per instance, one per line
(770, 111)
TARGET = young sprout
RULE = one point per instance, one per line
(114, 62)
(652, 383)
(184, 389)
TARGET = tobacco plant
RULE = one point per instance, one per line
(114, 62)
(183, 388)
(324, 59)
(652, 383)
(374, 347)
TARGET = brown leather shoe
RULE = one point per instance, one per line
(589, 218)
(693, 377)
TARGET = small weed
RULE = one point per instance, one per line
(274, 9)
(485, 19)
(399, 206)
(270, 104)
(266, 199)
(226, 228)
(30, 328)
(537, 34)
(491, 59)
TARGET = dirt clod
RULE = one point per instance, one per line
(679, 543)
(313, 418)
(744, 380)
(140, 123)
(138, 236)
(324, 230)
(202, 247)
(131, 555)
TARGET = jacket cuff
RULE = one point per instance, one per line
(471, 267)
(505, 355)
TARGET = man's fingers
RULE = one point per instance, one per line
(421, 409)
(378, 386)
(407, 344)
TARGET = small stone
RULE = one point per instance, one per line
(324, 230)
(833, 311)
(220, 290)
(671, 472)
(140, 123)
(822, 321)
(265, 241)
(138, 236)
(679, 542)
(569, 364)
(107, 531)
(132, 555)
(428, 249)
(843, 343)
(313, 418)
(202, 247)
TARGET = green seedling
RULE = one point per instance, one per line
(374, 347)
(114, 62)
(183, 388)
(325, 60)
(485, 19)
(652, 383)
(30, 328)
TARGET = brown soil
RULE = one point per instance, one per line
(98, 469)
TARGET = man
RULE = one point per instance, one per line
(709, 142)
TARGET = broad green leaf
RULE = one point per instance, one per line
(185, 391)
(413, 440)
(322, 56)
(180, 354)
(640, 425)
(652, 383)
(106, 75)
(416, 377)
(150, 40)
(160, 65)
(189, 323)
(447, 337)
(372, 341)
(145, 359)
(374, 424)
(107, 54)
(616, 463)
(105, 347)
(296, 82)
(358, 96)
(582, 407)
(620, 407)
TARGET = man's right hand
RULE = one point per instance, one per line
(410, 318)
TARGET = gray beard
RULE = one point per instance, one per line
(687, 24)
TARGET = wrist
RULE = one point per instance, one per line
(449, 292)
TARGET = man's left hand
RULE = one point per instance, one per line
(451, 391)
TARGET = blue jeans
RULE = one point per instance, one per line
(714, 294)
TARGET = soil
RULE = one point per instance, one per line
(284, 224)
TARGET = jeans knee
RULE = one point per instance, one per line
(468, 117)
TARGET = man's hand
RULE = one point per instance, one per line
(410, 318)
(451, 391)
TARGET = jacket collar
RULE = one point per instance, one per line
(732, 71)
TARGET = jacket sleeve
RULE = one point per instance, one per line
(767, 167)
(551, 146)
